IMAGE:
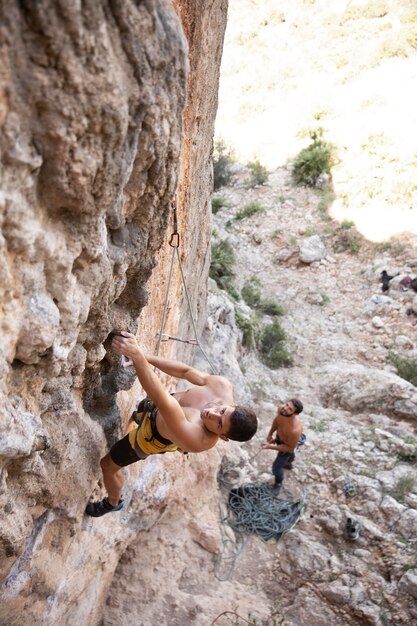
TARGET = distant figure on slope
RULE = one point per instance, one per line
(285, 434)
(385, 280)
(192, 420)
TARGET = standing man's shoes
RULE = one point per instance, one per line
(97, 509)
(276, 489)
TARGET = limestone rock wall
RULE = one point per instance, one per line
(98, 128)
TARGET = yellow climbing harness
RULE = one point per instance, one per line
(146, 438)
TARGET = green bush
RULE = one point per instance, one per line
(326, 198)
(324, 299)
(221, 267)
(406, 368)
(409, 457)
(252, 295)
(217, 203)
(403, 486)
(259, 173)
(251, 292)
(313, 161)
(320, 426)
(249, 327)
(269, 307)
(222, 165)
(271, 346)
(248, 210)
(347, 238)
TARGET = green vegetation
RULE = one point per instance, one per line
(222, 164)
(251, 292)
(369, 473)
(271, 345)
(319, 427)
(396, 248)
(347, 238)
(409, 456)
(275, 233)
(252, 295)
(269, 307)
(259, 173)
(221, 268)
(408, 566)
(406, 368)
(217, 202)
(409, 439)
(249, 327)
(403, 486)
(326, 198)
(313, 161)
(268, 339)
(248, 210)
(324, 299)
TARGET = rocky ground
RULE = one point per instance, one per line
(360, 417)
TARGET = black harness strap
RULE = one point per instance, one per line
(146, 407)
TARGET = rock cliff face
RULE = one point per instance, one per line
(98, 128)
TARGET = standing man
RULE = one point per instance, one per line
(192, 421)
(284, 436)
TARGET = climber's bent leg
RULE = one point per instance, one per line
(113, 479)
(120, 455)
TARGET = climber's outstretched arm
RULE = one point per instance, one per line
(177, 369)
(126, 344)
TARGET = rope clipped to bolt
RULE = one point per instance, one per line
(174, 242)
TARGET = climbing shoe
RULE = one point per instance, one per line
(97, 509)
(352, 529)
(276, 489)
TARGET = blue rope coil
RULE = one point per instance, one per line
(255, 509)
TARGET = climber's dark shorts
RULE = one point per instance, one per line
(123, 454)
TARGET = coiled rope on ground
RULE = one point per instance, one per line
(257, 510)
(251, 508)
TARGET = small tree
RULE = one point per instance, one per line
(271, 345)
(313, 161)
(221, 267)
(222, 164)
(259, 173)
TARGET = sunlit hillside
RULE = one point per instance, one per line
(347, 67)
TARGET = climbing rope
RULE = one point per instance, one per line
(256, 510)
(174, 242)
(251, 508)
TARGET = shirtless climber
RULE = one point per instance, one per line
(288, 431)
(192, 420)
